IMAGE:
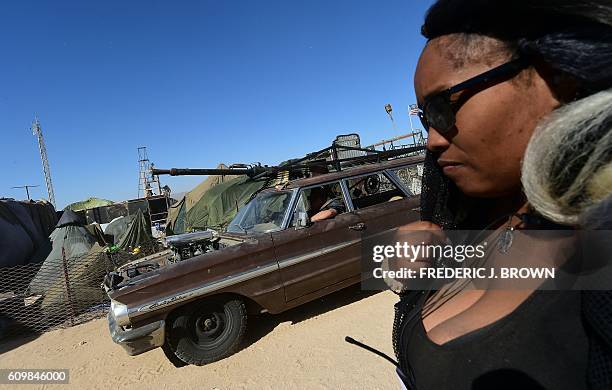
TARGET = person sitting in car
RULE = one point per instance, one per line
(324, 205)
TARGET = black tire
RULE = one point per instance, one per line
(207, 331)
(169, 353)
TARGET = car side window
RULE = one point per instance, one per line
(373, 189)
(314, 200)
(411, 177)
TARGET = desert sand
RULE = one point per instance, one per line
(303, 348)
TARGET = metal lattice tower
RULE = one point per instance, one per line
(144, 167)
(145, 177)
(37, 131)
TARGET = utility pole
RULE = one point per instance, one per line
(27, 188)
(37, 131)
(413, 109)
(389, 111)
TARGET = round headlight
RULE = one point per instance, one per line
(120, 312)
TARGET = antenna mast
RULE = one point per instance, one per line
(27, 188)
(37, 131)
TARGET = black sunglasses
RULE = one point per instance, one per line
(439, 112)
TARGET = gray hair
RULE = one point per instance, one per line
(567, 168)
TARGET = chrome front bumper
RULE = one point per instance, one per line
(137, 340)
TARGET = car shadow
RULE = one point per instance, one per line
(259, 325)
(263, 324)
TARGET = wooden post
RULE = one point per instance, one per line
(67, 282)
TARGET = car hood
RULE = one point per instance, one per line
(233, 248)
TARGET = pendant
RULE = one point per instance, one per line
(505, 241)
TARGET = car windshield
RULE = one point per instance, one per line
(262, 214)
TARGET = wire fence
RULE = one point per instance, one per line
(58, 293)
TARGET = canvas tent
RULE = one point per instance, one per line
(71, 240)
(218, 206)
(89, 203)
(176, 213)
(75, 254)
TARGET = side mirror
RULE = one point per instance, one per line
(302, 220)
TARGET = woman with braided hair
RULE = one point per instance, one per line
(516, 97)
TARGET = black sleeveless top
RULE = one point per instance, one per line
(542, 344)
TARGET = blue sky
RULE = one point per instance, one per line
(197, 82)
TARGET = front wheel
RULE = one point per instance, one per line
(206, 331)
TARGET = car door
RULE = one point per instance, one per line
(321, 255)
(383, 203)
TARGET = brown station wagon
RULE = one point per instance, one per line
(270, 258)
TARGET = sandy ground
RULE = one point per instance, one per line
(303, 348)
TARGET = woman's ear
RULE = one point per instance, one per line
(563, 86)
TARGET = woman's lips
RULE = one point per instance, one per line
(450, 167)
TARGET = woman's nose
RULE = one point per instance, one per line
(436, 142)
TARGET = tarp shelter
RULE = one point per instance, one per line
(176, 213)
(118, 226)
(137, 233)
(96, 231)
(24, 231)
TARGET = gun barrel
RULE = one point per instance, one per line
(258, 171)
(202, 171)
